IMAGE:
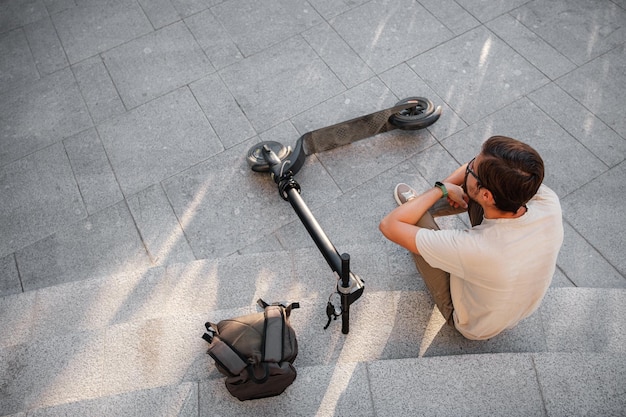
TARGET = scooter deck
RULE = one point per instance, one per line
(349, 131)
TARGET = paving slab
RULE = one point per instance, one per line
(580, 30)
(156, 64)
(46, 46)
(584, 320)
(385, 34)
(158, 140)
(582, 383)
(474, 385)
(40, 114)
(598, 199)
(97, 88)
(477, 67)
(40, 197)
(280, 82)
(273, 21)
(582, 124)
(214, 39)
(92, 170)
(180, 400)
(92, 27)
(102, 244)
(598, 86)
(159, 228)
(9, 277)
(17, 66)
(223, 111)
(16, 13)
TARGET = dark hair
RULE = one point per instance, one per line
(511, 170)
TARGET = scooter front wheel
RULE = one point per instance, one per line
(421, 115)
(257, 161)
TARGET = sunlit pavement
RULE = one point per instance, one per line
(129, 215)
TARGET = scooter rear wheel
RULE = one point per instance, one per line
(416, 117)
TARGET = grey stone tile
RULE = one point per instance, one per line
(94, 26)
(582, 383)
(9, 277)
(578, 29)
(584, 320)
(591, 210)
(158, 140)
(485, 10)
(355, 215)
(559, 280)
(214, 40)
(17, 66)
(98, 90)
(539, 53)
(563, 175)
(159, 227)
(46, 46)
(435, 163)
(156, 64)
(216, 220)
(404, 82)
(581, 123)
(180, 400)
(104, 243)
(367, 97)
(381, 33)
(50, 371)
(475, 385)
(341, 59)
(599, 86)
(18, 312)
(186, 8)
(43, 113)
(55, 6)
(280, 82)
(94, 175)
(229, 121)
(340, 390)
(160, 12)
(451, 14)
(136, 360)
(584, 265)
(477, 74)
(16, 13)
(91, 304)
(40, 196)
(273, 21)
(332, 8)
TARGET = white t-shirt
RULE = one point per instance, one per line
(501, 269)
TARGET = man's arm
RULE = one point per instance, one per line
(399, 226)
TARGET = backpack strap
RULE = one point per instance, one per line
(273, 333)
(223, 353)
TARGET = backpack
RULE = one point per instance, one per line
(255, 351)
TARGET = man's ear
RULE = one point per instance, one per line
(486, 195)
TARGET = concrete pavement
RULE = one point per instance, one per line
(129, 217)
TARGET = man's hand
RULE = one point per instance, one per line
(456, 196)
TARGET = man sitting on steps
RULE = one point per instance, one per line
(488, 278)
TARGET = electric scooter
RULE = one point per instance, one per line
(283, 163)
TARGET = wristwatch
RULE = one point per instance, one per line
(443, 188)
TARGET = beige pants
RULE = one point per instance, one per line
(437, 280)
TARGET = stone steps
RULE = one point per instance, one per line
(114, 343)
